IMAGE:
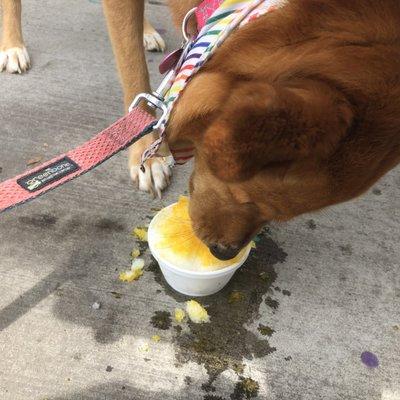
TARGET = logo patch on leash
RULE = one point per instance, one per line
(53, 172)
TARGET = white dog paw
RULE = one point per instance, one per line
(156, 176)
(14, 60)
(153, 41)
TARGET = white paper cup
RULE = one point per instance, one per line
(193, 283)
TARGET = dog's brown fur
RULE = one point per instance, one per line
(12, 31)
(297, 111)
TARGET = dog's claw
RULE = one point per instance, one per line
(14, 60)
(155, 178)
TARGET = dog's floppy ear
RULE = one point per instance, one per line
(199, 104)
(262, 124)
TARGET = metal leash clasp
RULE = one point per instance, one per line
(156, 99)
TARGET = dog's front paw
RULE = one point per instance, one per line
(14, 59)
(152, 40)
(155, 177)
(157, 171)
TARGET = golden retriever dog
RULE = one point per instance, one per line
(298, 110)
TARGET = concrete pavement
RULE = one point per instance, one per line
(318, 291)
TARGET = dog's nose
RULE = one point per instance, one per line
(223, 252)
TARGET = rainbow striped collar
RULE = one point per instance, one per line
(230, 15)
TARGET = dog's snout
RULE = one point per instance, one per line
(223, 252)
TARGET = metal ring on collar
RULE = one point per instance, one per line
(185, 24)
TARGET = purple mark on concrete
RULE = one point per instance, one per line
(369, 359)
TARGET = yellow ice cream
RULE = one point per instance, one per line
(175, 241)
(196, 312)
(134, 273)
(179, 315)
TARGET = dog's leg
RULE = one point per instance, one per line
(151, 38)
(125, 25)
(13, 55)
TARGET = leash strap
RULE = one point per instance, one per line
(77, 162)
(205, 10)
(220, 18)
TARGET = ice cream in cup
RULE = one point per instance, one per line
(185, 261)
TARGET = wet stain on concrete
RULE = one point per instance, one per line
(286, 292)
(188, 380)
(161, 320)
(270, 302)
(105, 331)
(225, 342)
(39, 220)
(246, 388)
(109, 225)
(207, 387)
(178, 329)
(235, 297)
(377, 192)
(311, 224)
(265, 330)
(346, 250)
(265, 276)
(93, 226)
(142, 246)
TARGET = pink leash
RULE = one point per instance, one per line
(204, 11)
(127, 130)
(76, 162)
